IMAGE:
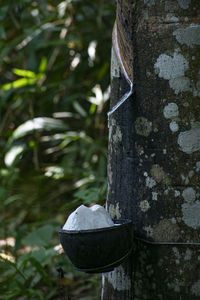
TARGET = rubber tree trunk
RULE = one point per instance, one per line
(154, 152)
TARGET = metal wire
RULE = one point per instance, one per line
(166, 243)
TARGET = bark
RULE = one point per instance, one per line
(154, 152)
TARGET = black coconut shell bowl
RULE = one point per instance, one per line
(98, 250)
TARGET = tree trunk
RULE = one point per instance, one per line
(154, 152)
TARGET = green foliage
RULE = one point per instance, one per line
(40, 237)
(53, 136)
(29, 77)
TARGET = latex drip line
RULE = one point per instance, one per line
(167, 243)
(130, 92)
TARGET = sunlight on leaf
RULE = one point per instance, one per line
(92, 109)
(54, 172)
(62, 8)
(84, 181)
(7, 257)
(79, 109)
(14, 153)
(92, 52)
(43, 65)
(37, 124)
(100, 97)
(18, 84)
(30, 77)
(24, 73)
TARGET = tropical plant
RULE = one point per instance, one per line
(54, 88)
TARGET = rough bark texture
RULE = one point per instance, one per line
(154, 152)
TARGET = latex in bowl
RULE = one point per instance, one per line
(98, 250)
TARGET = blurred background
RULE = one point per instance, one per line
(54, 98)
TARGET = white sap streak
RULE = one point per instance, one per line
(130, 92)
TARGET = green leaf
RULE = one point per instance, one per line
(2, 193)
(14, 265)
(3, 11)
(10, 295)
(12, 199)
(38, 124)
(40, 270)
(43, 65)
(18, 84)
(38, 293)
(4, 95)
(39, 237)
(92, 109)
(24, 73)
(2, 32)
(88, 196)
(53, 43)
(13, 154)
(79, 109)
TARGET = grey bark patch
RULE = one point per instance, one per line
(173, 69)
(157, 173)
(143, 126)
(191, 213)
(150, 182)
(180, 84)
(114, 211)
(169, 67)
(117, 136)
(144, 206)
(189, 141)
(165, 230)
(188, 254)
(171, 6)
(184, 4)
(119, 280)
(189, 194)
(189, 36)
(171, 110)
(195, 289)
(173, 126)
(149, 2)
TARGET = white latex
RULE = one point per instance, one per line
(84, 218)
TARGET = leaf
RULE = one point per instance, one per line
(53, 43)
(13, 154)
(2, 32)
(24, 73)
(37, 124)
(88, 196)
(43, 65)
(12, 199)
(92, 108)
(3, 11)
(79, 109)
(11, 294)
(18, 84)
(2, 193)
(36, 292)
(3, 53)
(14, 265)
(39, 237)
(41, 270)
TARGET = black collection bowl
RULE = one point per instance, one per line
(98, 250)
